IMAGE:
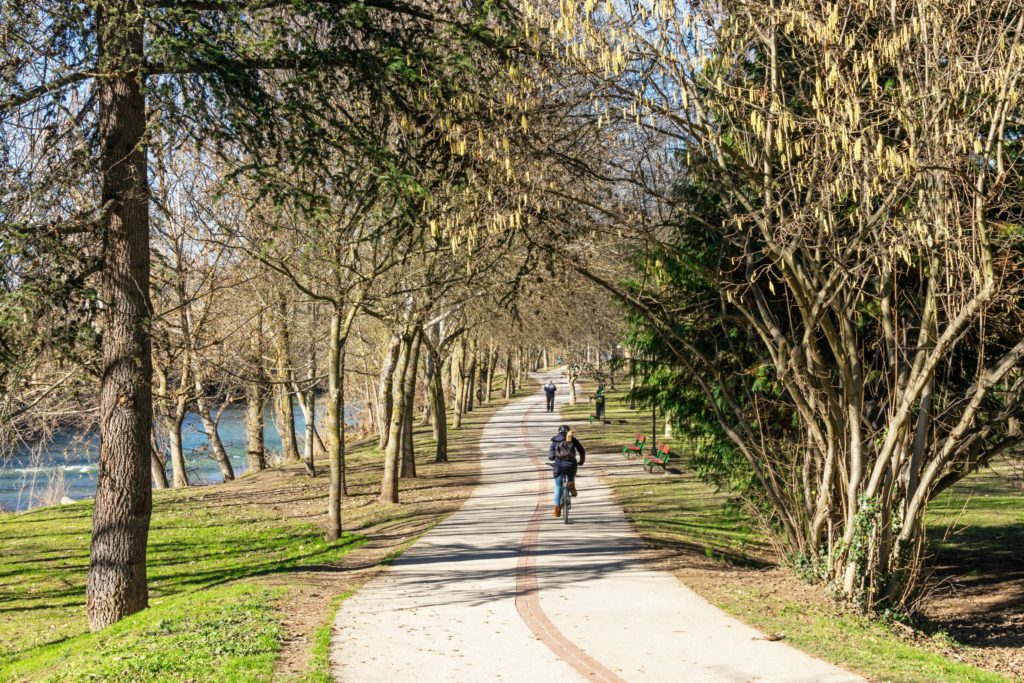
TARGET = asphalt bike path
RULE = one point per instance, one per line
(501, 591)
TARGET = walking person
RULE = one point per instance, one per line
(549, 390)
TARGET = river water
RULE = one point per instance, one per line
(68, 464)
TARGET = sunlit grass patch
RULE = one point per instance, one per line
(45, 557)
(227, 633)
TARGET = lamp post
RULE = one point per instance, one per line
(654, 428)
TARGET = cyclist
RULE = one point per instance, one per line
(562, 454)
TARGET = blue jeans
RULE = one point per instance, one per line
(558, 488)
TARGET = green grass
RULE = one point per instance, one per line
(319, 662)
(225, 633)
(981, 514)
(679, 511)
(194, 554)
(868, 647)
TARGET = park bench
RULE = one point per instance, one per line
(637, 448)
(658, 459)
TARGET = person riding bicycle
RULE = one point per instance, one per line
(562, 454)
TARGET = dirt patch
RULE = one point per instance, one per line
(978, 600)
(977, 580)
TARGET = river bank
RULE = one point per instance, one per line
(67, 465)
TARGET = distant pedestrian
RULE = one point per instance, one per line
(549, 390)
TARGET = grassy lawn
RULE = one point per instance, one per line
(718, 552)
(201, 560)
(979, 514)
(231, 568)
(224, 633)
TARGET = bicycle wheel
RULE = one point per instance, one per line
(566, 499)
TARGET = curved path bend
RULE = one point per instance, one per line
(500, 591)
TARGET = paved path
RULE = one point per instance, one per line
(500, 591)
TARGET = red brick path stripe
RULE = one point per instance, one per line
(528, 591)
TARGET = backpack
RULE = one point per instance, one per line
(565, 451)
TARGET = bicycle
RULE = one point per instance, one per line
(566, 498)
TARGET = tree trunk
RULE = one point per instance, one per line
(284, 421)
(409, 388)
(920, 436)
(256, 392)
(284, 402)
(335, 426)
(116, 583)
(308, 406)
(393, 452)
(369, 400)
(482, 363)
(508, 375)
(492, 365)
(440, 421)
(458, 380)
(210, 427)
(442, 400)
(632, 379)
(172, 423)
(469, 383)
(307, 401)
(385, 400)
(429, 370)
(340, 329)
(157, 466)
(255, 446)
(408, 468)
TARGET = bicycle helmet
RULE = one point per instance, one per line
(564, 429)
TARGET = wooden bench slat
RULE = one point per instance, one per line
(661, 460)
(638, 445)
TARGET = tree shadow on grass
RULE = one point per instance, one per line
(978, 585)
(176, 577)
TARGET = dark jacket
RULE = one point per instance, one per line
(566, 466)
(550, 390)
